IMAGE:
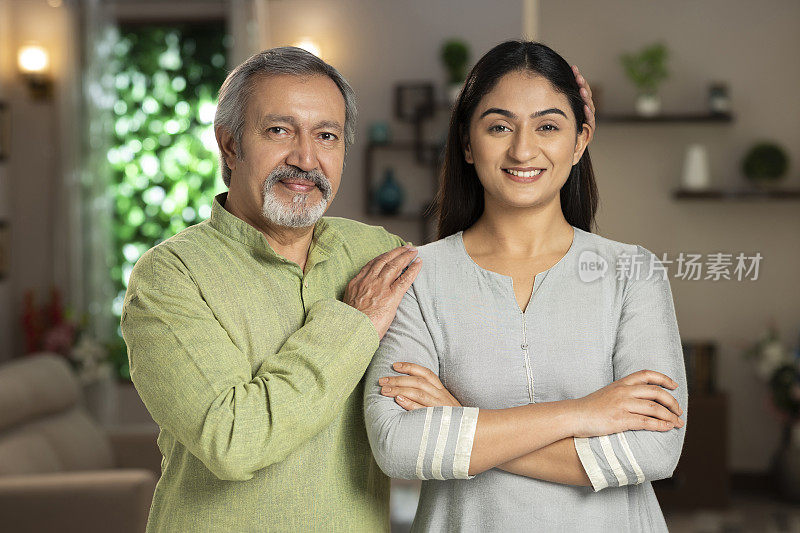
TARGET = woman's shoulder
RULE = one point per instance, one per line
(445, 249)
(628, 260)
(609, 247)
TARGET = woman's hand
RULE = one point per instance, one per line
(420, 388)
(586, 92)
(637, 401)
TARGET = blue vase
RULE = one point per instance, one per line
(389, 196)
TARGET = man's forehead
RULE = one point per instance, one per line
(297, 98)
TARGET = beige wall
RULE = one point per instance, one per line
(753, 46)
(5, 285)
(32, 189)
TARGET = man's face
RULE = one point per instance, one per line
(292, 150)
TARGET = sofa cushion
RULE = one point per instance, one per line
(35, 386)
(27, 452)
(64, 442)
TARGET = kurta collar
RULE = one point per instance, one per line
(324, 242)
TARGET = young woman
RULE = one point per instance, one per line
(528, 374)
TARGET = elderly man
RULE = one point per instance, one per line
(248, 334)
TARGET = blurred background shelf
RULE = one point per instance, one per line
(665, 118)
(736, 195)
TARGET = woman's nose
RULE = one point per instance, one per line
(523, 146)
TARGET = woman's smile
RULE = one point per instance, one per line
(526, 175)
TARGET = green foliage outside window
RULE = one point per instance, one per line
(163, 153)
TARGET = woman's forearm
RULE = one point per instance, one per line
(557, 462)
(503, 435)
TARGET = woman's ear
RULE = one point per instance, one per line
(467, 151)
(581, 142)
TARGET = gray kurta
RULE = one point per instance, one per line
(579, 332)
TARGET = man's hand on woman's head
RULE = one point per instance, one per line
(586, 92)
(419, 388)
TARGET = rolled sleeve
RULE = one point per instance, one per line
(429, 443)
(647, 338)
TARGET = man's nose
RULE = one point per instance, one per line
(524, 146)
(303, 155)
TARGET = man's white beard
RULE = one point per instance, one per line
(294, 214)
(297, 213)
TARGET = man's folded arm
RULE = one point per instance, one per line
(199, 386)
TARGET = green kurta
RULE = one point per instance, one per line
(253, 371)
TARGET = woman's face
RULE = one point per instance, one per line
(523, 142)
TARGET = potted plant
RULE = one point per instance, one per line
(765, 164)
(780, 369)
(647, 69)
(455, 57)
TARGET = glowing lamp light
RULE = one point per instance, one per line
(309, 46)
(34, 63)
(33, 59)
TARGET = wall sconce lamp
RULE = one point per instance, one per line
(307, 44)
(34, 65)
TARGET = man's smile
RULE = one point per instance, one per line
(298, 185)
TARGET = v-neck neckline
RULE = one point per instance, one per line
(538, 279)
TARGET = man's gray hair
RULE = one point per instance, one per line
(238, 86)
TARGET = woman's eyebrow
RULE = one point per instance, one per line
(509, 114)
(552, 110)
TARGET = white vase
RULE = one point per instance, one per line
(101, 400)
(696, 175)
(648, 105)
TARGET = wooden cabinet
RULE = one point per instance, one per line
(702, 478)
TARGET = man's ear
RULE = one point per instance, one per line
(227, 146)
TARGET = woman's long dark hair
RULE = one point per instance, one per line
(459, 201)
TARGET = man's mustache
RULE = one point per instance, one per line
(314, 176)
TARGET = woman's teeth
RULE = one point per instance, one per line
(527, 174)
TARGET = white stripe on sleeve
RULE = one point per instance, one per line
(466, 434)
(589, 463)
(424, 444)
(441, 442)
(631, 459)
(613, 462)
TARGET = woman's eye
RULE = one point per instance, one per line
(552, 127)
(498, 128)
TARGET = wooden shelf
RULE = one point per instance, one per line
(404, 146)
(742, 194)
(665, 118)
(426, 154)
(409, 217)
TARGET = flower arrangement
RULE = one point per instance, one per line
(50, 328)
(780, 368)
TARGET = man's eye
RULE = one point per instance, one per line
(552, 127)
(277, 130)
(328, 136)
(498, 128)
